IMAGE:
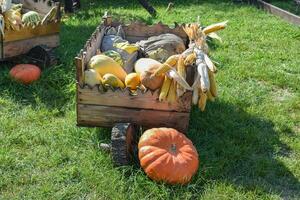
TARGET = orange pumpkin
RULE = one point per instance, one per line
(168, 155)
(25, 73)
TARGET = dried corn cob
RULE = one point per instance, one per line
(196, 87)
(214, 27)
(210, 96)
(195, 97)
(210, 64)
(190, 59)
(172, 60)
(161, 70)
(172, 93)
(179, 79)
(202, 100)
(213, 84)
(204, 79)
(182, 73)
(165, 89)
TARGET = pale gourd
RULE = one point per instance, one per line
(91, 77)
(145, 67)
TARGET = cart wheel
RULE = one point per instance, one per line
(42, 56)
(124, 143)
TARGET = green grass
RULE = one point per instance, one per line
(288, 5)
(248, 140)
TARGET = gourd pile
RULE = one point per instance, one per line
(158, 63)
(14, 16)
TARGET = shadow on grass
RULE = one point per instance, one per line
(241, 150)
(56, 87)
(235, 149)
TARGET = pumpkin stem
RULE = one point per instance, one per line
(173, 148)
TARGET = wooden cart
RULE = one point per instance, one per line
(46, 36)
(100, 107)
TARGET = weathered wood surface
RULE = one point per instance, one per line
(79, 70)
(107, 116)
(92, 45)
(290, 17)
(123, 98)
(29, 32)
(20, 47)
(90, 49)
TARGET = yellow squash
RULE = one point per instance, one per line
(132, 81)
(112, 80)
(165, 89)
(106, 65)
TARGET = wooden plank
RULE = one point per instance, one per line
(290, 17)
(93, 44)
(20, 47)
(107, 116)
(28, 32)
(123, 98)
(79, 70)
(1, 47)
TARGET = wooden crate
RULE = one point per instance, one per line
(103, 109)
(15, 43)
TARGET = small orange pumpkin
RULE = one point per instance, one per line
(168, 155)
(25, 73)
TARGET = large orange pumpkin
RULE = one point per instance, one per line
(168, 155)
(25, 73)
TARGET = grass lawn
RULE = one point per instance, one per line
(288, 5)
(248, 140)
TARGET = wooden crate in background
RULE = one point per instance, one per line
(15, 43)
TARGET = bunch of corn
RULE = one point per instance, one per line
(174, 84)
(204, 87)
